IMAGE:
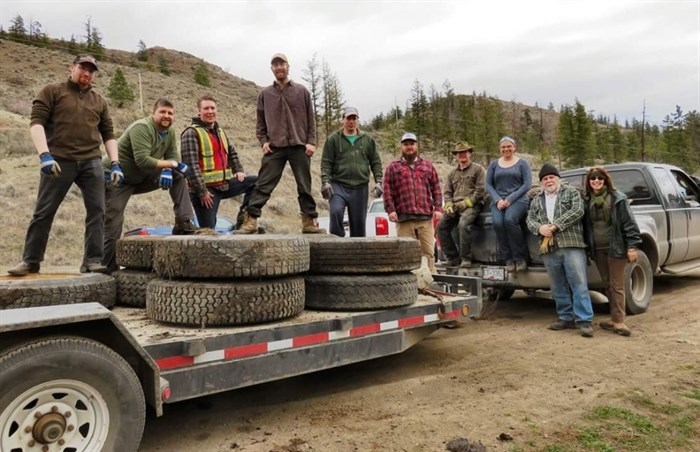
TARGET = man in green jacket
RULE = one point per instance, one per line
(348, 157)
(147, 157)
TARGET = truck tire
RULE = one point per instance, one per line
(136, 251)
(131, 287)
(73, 390)
(233, 256)
(330, 254)
(639, 284)
(47, 289)
(360, 292)
(221, 303)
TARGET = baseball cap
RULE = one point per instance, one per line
(408, 136)
(279, 56)
(350, 111)
(86, 59)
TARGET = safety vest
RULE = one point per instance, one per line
(213, 156)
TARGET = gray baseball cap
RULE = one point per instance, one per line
(350, 111)
(408, 136)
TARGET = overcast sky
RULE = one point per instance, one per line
(612, 55)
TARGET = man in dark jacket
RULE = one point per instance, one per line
(348, 157)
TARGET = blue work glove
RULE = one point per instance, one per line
(116, 176)
(182, 168)
(166, 179)
(49, 166)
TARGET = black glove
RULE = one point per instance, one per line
(326, 191)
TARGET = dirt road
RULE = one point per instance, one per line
(507, 374)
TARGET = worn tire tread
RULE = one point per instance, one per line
(360, 292)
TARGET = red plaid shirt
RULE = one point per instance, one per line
(413, 191)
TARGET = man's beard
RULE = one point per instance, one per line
(410, 158)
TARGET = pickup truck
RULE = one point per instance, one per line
(378, 223)
(665, 202)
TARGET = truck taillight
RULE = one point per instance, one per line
(381, 225)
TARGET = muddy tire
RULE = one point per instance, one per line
(46, 289)
(238, 256)
(360, 292)
(136, 252)
(330, 255)
(52, 385)
(131, 287)
(221, 303)
(639, 284)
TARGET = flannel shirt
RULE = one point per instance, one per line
(568, 216)
(412, 191)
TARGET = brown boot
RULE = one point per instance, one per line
(249, 226)
(309, 226)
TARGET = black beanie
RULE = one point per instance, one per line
(548, 169)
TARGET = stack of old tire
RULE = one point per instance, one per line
(362, 273)
(135, 254)
(227, 280)
(52, 289)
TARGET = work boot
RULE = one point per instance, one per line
(453, 262)
(520, 266)
(240, 218)
(185, 228)
(249, 226)
(23, 269)
(94, 267)
(466, 263)
(510, 266)
(309, 226)
(586, 330)
(562, 325)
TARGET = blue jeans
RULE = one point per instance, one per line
(568, 274)
(207, 217)
(511, 237)
(355, 199)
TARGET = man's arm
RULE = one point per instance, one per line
(375, 161)
(310, 119)
(38, 135)
(261, 123)
(571, 208)
(112, 150)
(435, 190)
(327, 159)
(234, 162)
(534, 216)
(189, 147)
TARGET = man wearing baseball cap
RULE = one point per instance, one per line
(286, 130)
(464, 195)
(69, 121)
(412, 196)
(348, 157)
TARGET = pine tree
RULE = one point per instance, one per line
(119, 90)
(17, 29)
(333, 101)
(164, 66)
(142, 54)
(312, 77)
(202, 76)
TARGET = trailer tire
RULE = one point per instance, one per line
(233, 256)
(71, 382)
(51, 289)
(331, 254)
(360, 292)
(136, 251)
(222, 303)
(131, 287)
(639, 284)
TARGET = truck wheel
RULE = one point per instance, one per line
(69, 394)
(136, 251)
(330, 254)
(131, 287)
(47, 289)
(639, 284)
(360, 292)
(220, 303)
(231, 256)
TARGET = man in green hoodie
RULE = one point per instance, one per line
(348, 157)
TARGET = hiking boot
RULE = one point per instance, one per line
(520, 266)
(466, 263)
(453, 262)
(309, 226)
(23, 269)
(185, 228)
(249, 226)
(510, 266)
(562, 325)
(586, 330)
(94, 267)
(240, 218)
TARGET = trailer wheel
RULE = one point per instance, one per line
(131, 287)
(360, 292)
(136, 251)
(50, 289)
(639, 284)
(220, 303)
(330, 254)
(69, 394)
(232, 256)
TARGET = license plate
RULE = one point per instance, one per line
(493, 273)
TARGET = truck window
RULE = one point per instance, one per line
(575, 180)
(668, 188)
(376, 206)
(634, 186)
(688, 187)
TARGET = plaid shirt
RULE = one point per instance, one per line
(568, 216)
(412, 191)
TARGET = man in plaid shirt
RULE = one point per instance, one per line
(556, 216)
(412, 196)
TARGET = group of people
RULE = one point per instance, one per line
(69, 122)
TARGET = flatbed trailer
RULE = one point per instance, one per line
(78, 377)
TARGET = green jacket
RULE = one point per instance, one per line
(568, 217)
(140, 147)
(349, 164)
